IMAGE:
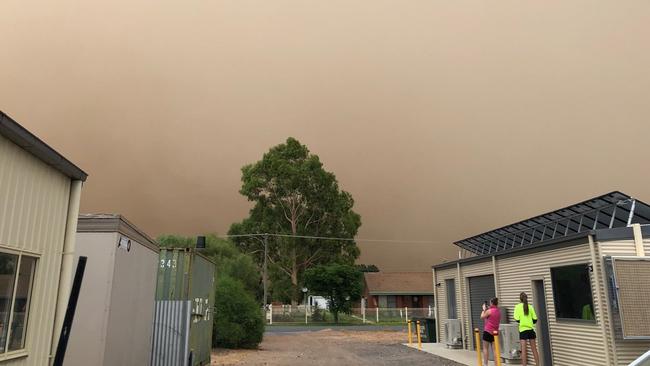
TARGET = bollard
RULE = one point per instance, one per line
(497, 353)
(477, 337)
(410, 336)
(417, 329)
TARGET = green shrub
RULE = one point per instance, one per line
(238, 322)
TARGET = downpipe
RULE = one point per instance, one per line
(67, 259)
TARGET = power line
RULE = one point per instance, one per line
(332, 238)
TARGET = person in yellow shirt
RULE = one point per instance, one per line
(526, 317)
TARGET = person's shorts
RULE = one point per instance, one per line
(488, 337)
(527, 335)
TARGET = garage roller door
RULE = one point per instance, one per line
(481, 289)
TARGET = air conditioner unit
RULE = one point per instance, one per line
(454, 337)
(510, 347)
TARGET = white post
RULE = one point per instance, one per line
(377, 309)
(271, 315)
(363, 310)
(305, 313)
(429, 311)
(406, 313)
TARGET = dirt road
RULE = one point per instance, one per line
(330, 347)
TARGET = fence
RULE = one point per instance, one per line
(282, 314)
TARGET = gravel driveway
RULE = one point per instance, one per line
(331, 347)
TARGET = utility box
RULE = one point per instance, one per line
(184, 308)
(510, 346)
(427, 329)
(453, 333)
(114, 317)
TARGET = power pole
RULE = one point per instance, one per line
(265, 275)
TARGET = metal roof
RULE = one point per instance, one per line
(611, 210)
(107, 223)
(35, 146)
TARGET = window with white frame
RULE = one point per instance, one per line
(16, 282)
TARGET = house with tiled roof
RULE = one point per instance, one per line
(398, 289)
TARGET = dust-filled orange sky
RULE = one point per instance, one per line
(442, 118)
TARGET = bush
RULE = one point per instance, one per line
(239, 322)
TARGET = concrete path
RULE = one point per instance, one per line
(460, 356)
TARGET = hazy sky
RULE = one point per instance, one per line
(442, 118)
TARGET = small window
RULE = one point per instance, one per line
(450, 285)
(572, 292)
(383, 302)
(392, 301)
(16, 279)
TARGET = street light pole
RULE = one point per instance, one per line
(304, 290)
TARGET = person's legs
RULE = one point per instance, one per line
(524, 353)
(486, 352)
(533, 347)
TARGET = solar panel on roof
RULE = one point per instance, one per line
(612, 210)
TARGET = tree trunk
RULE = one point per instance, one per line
(294, 278)
(294, 263)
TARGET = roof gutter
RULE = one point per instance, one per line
(20, 136)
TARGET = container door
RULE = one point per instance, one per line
(544, 339)
(481, 289)
(171, 332)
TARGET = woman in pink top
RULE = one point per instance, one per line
(492, 318)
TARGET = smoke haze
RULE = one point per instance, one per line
(444, 119)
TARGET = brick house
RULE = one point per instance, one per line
(398, 289)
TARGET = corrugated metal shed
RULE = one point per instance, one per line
(34, 200)
(573, 342)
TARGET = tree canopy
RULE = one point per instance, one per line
(341, 284)
(294, 195)
(367, 268)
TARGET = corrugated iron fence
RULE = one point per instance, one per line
(171, 332)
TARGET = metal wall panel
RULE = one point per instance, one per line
(202, 296)
(441, 300)
(130, 316)
(171, 332)
(34, 200)
(87, 343)
(619, 247)
(573, 343)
